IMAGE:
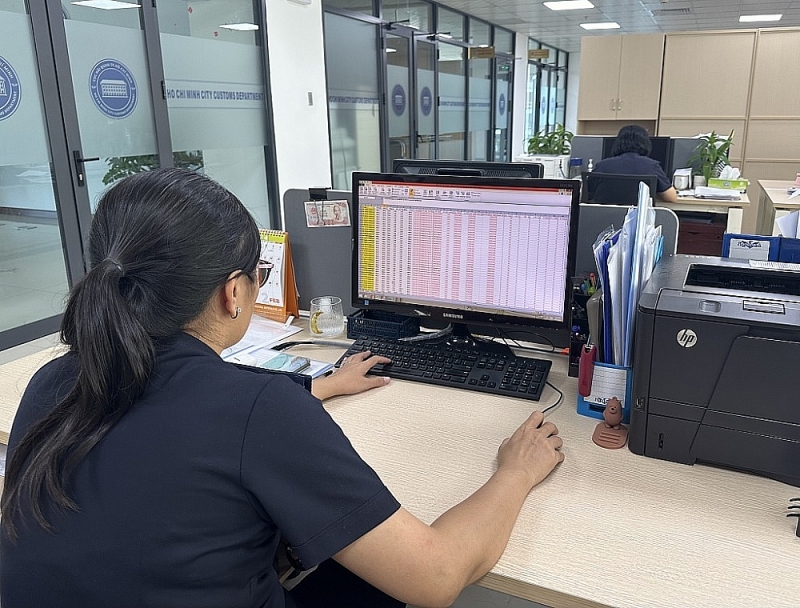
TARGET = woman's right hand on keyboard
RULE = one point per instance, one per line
(533, 450)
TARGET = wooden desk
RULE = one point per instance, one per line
(775, 200)
(733, 209)
(607, 528)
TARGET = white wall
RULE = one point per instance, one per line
(518, 145)
(297, 67)
(573, 80)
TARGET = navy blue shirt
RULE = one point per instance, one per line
(183, 502)
(632, 163)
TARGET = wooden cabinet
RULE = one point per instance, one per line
(620, 77)
(707, 75)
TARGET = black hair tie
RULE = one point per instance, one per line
(117, 264)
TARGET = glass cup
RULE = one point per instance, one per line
(326, 319)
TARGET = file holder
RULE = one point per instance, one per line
(607, 381)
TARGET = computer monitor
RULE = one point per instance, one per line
(661, 150)
(614, 188)
(465, 250)
(477, 168)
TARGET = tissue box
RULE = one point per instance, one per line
(751, 247)
(729, 184)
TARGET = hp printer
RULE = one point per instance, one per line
(716, 371)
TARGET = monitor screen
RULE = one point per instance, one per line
(661, 150)
(467, 167)
(465, 250)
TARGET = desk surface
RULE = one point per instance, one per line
(607, 528)
(776, 191)
(719, 206)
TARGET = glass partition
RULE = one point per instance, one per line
(33, 275)
(480, 108)
(353, 98)
(426, 87)
(221, 87)
(452, 101)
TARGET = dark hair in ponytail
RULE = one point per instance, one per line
(161, 243)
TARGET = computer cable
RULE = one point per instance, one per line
(336, 343)
(560, 397)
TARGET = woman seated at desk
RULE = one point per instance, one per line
(143, 470)
(629, 156)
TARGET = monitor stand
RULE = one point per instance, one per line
(458, 335)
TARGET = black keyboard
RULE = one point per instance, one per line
(485, 367)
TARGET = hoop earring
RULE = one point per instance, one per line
(236, 316)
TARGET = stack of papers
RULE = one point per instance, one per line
(625, 260)
(269, 358)
(719, 194)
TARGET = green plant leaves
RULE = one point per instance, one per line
(557, 141)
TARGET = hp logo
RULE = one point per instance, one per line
(686, 338)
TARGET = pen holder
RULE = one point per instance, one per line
(608, 381)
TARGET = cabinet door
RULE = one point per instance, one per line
(776, 75)
(707, 75)
(640, 77)
(599, 79)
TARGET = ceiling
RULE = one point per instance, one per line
(562, 30)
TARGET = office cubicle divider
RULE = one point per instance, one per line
(322, 255)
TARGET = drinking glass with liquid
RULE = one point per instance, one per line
(326, 318)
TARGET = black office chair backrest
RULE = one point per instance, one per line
(614, 188)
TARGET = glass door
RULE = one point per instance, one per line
(33, 262)
(105, 64)
(426, 96)
(503, 79)
(213, 62)
(398, 100)
(452, 101)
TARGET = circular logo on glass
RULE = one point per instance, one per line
(398, 100)
(9, 90)
(501, 104)
(113, 88)
(426, 101)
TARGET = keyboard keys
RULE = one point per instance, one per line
(440, 363)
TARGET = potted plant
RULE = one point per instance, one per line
(711, 154)
(557, 142)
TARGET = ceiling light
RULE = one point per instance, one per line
(753, 18)
(568, 5)
(606, 25)
(391, 50)
(240, 27)
(106, 5)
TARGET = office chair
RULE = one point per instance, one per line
(614, 188)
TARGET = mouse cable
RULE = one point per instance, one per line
(560, 397)
(287, 345)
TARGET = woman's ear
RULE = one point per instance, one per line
(231, 293)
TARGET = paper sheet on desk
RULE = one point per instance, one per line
(788, 224)
(261, 332)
